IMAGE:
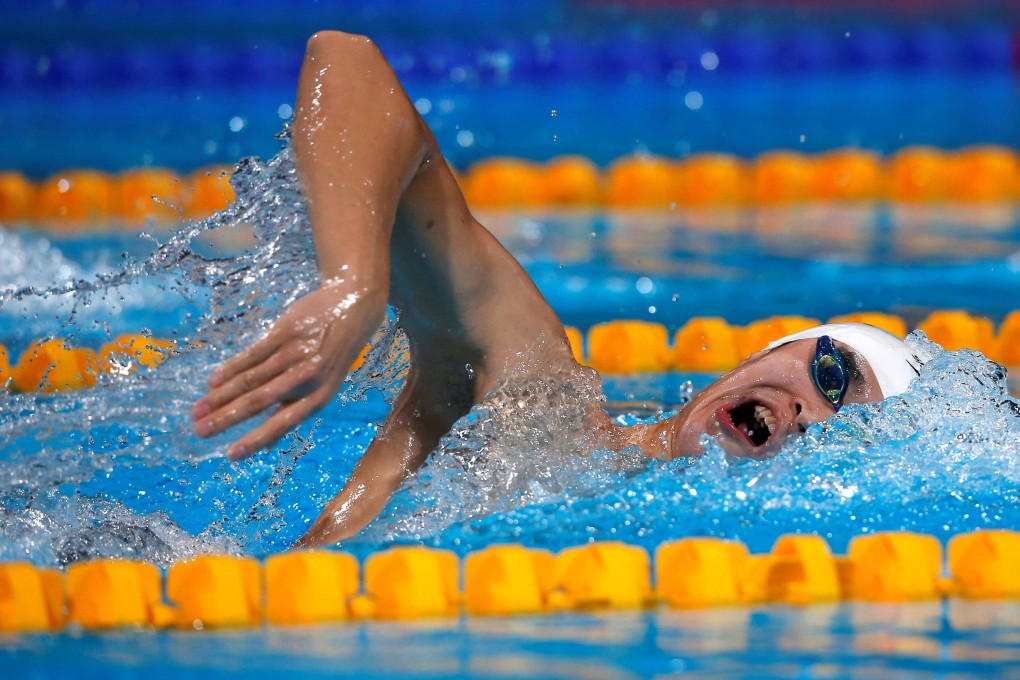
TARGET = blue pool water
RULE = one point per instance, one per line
(116, 471)
(745, 114)
(908, 642)
(193, 82)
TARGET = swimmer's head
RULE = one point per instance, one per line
(793, 383)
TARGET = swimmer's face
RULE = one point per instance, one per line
(755, 407)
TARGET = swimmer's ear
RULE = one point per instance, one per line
(752, 358)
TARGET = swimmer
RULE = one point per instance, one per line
(390, 227)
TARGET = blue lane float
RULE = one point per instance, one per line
(554, 55)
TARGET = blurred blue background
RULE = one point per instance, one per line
(113, 84)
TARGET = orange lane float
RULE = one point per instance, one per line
(16, 196)
(887, 322)
(504, 183)
(208, 191)
(846, 175)
(984, 564)
(702, 344)
(111, 593)
(576, 340)
(628, 347)
(412, 582)
(1006, 346)
(308, 586)
(800, 570)
(508, 579)
(5, 367)
(602, 575)
(707, 345)
(957, 329)
(894, 566)
(714, 180)
(571, 181)
(984, 174)
(758, 334)
(215, 591)
(703, 572)
(75, 197)
(144, 194)
(51, 366)
(643, 181)
(30, 599)
(781, 177)
(128, 352)
(415, 582)
(919, 175)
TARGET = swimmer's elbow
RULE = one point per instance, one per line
(332, 44)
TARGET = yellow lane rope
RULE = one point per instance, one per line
(703, 344)
(215, 591)
(80, 198)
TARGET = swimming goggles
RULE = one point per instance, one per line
(829, 372)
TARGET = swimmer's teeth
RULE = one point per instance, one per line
(764, 416)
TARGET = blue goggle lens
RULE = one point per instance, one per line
(829, 373)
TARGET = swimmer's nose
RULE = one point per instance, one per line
(807, 414)
(800, 420)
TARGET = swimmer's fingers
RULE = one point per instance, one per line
(247, 382)
(261, 350)
(293, 383)
(280, 423)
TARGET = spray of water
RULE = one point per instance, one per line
(115, 470)
(943, 458)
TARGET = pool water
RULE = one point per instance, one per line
(744, 114)
(115, 471)
(909, 641)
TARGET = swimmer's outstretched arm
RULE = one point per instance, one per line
(358, 146)
(390, 226)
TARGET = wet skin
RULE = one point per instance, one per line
(771, 393)
(390, 227)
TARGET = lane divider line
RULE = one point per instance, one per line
(702, 345)
(984, 174)
(415, 582)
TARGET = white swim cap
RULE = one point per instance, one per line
(894, 364)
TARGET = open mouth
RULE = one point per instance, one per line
(753, 420)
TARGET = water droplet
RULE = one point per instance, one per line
(709, 60)
(423, 105)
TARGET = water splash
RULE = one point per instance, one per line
(530, 441)
(115, 470)
(942, 458)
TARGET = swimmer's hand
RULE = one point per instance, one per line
(297, 366)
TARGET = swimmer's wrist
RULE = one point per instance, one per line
(347, 284)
